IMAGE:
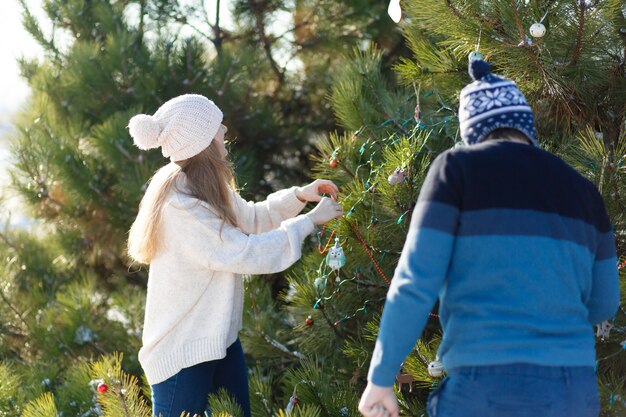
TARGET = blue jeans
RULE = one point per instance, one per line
(189, 389)
(516, 390)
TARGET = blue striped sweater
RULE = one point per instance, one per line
(519, 250)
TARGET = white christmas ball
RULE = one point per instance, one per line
(537, 30)
(320, 284)
(435, 369)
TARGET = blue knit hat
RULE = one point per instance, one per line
(491, 103)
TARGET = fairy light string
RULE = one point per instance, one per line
(320, 235)
(373, 145)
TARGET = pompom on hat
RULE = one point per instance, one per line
(490, 103)
(183, 127)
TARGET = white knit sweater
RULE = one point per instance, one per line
(195, 289)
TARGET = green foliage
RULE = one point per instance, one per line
(222, 405)
(68, 293)
(11, 396)
(565, 75)
(382, 135)
(43, 406)
(124, 396)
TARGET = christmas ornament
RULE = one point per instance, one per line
(537, 30)
(336, 259)
(320, 284)
(473, 56)
(604, 329)
(309, 321)
(83, 335)
(344, 412)
(435, 368)
(417, 114)
(333, 162)
(394, 10)
(102, 388)
(293, 401)
(405, 379)
(396, 177)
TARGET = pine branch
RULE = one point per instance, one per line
(267, 43)
(217, 29)
(581, 29)
(15, 310)
(6, 240)
(282, 347)
(518, 23)
(330, 322)
(454, 10)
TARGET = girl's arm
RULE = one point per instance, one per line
(269, 214)
(198, 234)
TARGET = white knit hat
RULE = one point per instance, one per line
(182, 127)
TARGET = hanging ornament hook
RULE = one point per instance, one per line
(476, 55)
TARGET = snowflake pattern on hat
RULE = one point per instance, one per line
(491, 103)
(488, 99)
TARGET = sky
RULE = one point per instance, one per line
(14, 42)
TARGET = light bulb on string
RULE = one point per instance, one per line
(395, 11)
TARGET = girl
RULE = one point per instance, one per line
(199, 236)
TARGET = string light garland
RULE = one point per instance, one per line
(320, 235)
(373, 145)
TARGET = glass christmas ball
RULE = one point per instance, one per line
(537, 30)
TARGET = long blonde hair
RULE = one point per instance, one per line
(209, 177)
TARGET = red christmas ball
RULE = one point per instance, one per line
(309, 321)
(333, 163)
(296, 401)
(102, 388)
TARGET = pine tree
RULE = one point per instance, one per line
(310, 351)
(68, 292)
(573, 77)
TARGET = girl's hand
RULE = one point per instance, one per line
(325, 211)
(314, 191)
(378, 401)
